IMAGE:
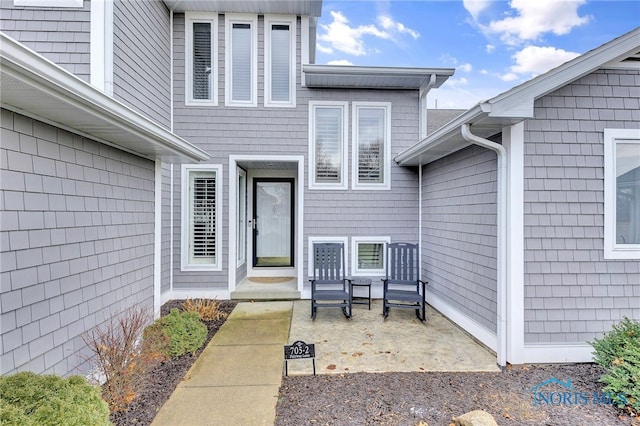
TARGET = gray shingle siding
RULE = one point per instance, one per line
(459, 243)
(60, 35)
(572, 294)
(223, 131)
(141, 58)
(76, 241)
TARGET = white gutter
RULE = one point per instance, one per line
(502, 238)
(422, 100)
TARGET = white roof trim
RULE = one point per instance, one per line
(36, 87)
(517, 104)
(349, 76)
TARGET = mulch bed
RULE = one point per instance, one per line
(432, 398)
(164, 378)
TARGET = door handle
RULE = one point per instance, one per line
(254, 223)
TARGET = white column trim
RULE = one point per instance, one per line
(157, 244)
(101, 45)
(513, 140)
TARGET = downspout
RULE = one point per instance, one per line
(422, 108)
(423, 105)
(502, 238)
(420, 221)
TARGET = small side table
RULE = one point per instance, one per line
(361, 300)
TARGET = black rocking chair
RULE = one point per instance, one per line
(329, 286)
(402, 287)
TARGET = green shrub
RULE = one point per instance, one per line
(619, 353)
(184, 330)
(31, 399)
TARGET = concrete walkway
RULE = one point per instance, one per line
(236, 379)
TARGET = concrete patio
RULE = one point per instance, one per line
(368, 343)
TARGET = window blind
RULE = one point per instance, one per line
(201, 60)
(370, 256)
(371, 131)
(203, 216)
(241, 62)
(328, 145)
(280, 63)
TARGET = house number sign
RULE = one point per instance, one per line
(299, 350)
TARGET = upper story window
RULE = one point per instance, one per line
(371, 145)
(279, 62)
(200, 52)
(241, 59)
(621, 193)
(328, 144)
(48, 3)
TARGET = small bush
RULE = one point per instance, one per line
(121, 358)
(184, 331)
(207, 309)
(619, 353)
(30, 399)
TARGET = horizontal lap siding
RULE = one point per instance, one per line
(459, 232)
(572, 294)
(76, 236)
(60, 35)
(224, 131)
(141, 58)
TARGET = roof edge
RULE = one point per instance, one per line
(41, 73)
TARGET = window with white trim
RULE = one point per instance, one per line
(201, 207)
(49, 3)
(241, 205)
(201, 79)
(279, 61)
(320, 240)
(241, 60)
(622, 194)
(371, 145)
(328, 144)
(369, 255)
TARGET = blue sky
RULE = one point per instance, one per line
(493, 45)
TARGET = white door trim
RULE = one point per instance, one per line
(234, 161)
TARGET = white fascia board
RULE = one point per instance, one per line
(44, 76)
(410, 156)
(526, 93)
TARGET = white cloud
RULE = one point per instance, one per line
(490, 48)
(457, 82)
(339, 62)
(344, 38)
(465, 67)
(534, 18)
(509, 76)
(341, 36)
(474, 7)
(534, 60)
(389, 24)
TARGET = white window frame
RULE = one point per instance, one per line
(241, 222)
(357, 272)
(386, 183)
(613, 250)
(270, 20)
(320, 240)
(189, 19)
(49, 3)
(252, 20)
(186, 226)
(343, 185)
